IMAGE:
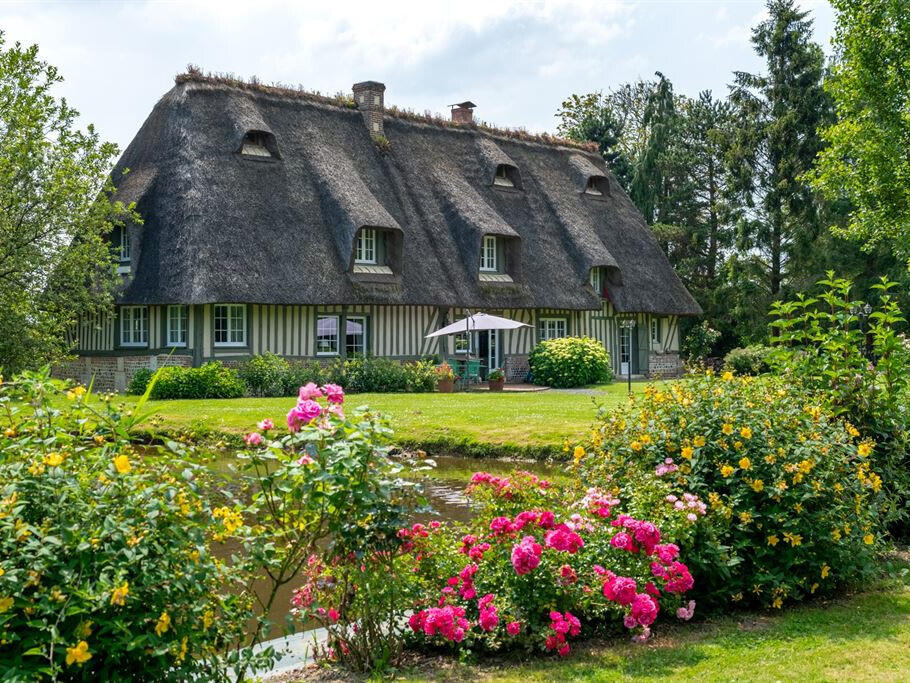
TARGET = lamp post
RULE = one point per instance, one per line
(862, 312)
(628, 324)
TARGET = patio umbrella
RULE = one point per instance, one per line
(477, 322)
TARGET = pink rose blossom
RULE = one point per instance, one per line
(309, 392)
(304, 460)
(644, 609)
(526, 555)
(562, 538)
(685, 613)
(620, 589)
(266, 425)
(513, 628)
(253, 439)
(333, 393)
(333, 615)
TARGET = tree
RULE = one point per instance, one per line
(590, 117)
(777, 114)
(867, 161)
(55, 263)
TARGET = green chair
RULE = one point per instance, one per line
(472, 373)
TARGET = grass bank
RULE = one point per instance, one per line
(478, 424)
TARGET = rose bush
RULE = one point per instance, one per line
(780, 496)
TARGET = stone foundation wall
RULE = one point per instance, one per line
(113, 373)
(665, 365)
(516, 368)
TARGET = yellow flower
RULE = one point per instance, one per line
(70, 396)
(208, 618)
(864, 449)
(122, 463)
(9, 433)
(773, 540)
(851, 430)
(793, 539)
(2, 572)
(868, 539)
(118, 597)
(164, 623)
(835, 534)
(727, 376)
(635, 446)
(745, 463)
(757, 485)
(5, 604)
(687, 452)
(78, 655)
(726, 470)
(798, 508)
(737, 445)
(813, 588)
(745, 517)
(778, 603)
(825, 571)
(805, 466)
(727, 428)
(745, 432)
(53, 459)
(699, 441)
(578, 454)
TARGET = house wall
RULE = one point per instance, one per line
(397, 332)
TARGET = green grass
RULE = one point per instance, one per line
(865, 637)
(477, 424)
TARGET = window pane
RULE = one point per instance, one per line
(221, 324)
(355, 336)
(327, 334)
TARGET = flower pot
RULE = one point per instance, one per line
(496, 384)
(445, 386)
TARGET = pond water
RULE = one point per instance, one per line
(444, 489)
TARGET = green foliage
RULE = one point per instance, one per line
(749, 360)
(139, 381)
(858, 367)
(106, 570)
(866, 160)
(496, 375)
(55, 261)
(382, 375)
(212, 380)
(570, 362)
(789, 486)
(265, 375)
(699, 341)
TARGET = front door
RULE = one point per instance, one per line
(488, 349)
(625, 349)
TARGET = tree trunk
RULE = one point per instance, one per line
(712, 223)
(776, 239)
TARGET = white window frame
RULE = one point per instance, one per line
(126, 246)
(231, 314)
(488, 256)
(366, 247)
(362, 319)
(182, 319)
(655, 330)
(337, 335)
(128, 315)
(463, 343)
(595, 278)
(548, 328)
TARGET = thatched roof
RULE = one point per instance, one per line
(222, 228)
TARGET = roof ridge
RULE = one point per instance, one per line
(342, 100)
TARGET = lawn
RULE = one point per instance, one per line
(865, 637)
(480, 423)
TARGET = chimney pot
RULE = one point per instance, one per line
(463, 112)
(370, 96)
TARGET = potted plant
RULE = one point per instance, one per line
(445, 379)
(496, 379)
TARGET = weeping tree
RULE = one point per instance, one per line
(55, 263)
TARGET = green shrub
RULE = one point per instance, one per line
(106, 572)
(264, 375)
(300, 373)
(793, 503)
(570, 362)
(139, 381)
(699, 341)
(212, 380)
(749, 360)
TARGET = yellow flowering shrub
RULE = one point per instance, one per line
(105, 564)
(793, 500)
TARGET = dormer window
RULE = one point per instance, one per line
(257, 144)
(125, 246)
(595, 278)
(489, 261)
(366, 247)
(597, 186)
(506, 176)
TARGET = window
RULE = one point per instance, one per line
(254, 145)
(595, 279)
(134, 326)
(502, 177)
(125, 245)
(462, 343)
(488, 254)
(655, 330)
(327, 335)
(366, 246)
(355, 338)
(551, 328)
(597, 186)
(176, 325)
(230, 324)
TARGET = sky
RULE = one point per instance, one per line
(516, 60)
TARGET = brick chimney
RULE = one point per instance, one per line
(370, 99)
(463, 112)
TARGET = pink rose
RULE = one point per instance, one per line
(266, 425)
(308, 392)
(526, 555)
(644, 609)
(513, 628)
(620, 589)
(253, 439)
(333, 393)
(304, 460)
(333, 615)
